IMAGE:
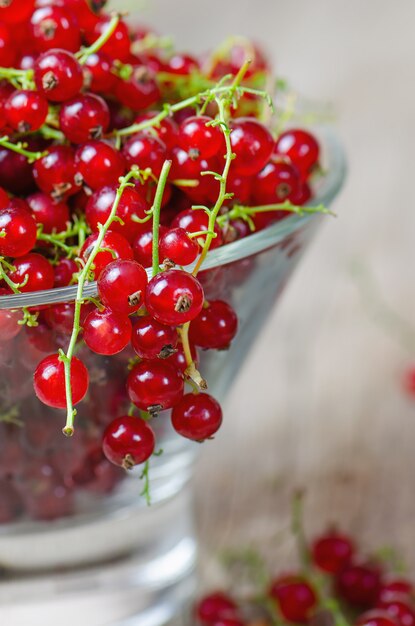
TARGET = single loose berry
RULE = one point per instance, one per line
(49, 381)
(58, 75)
(155, 385)
(18, 231)
(106, 332)
(295, 597)
(197, 416)
(332, 551)
(128, 441)
(215, 326)
(84, 117)
(359, 584)
(174, 297)
(177, 246)
(97, 164)
(252, 143)
(122, 285)
(114, 246)
(26, 110)
(150, 339)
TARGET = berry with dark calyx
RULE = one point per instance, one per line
(97, 164)
(54, 173)
(64, 271)
(122, 285)
(128, 441)
(49, 381)
(167, 130)
(58, 75)
(295, 597)
(98, 71)
(215, 326)
(139, 91)
(252, 143)
(55, 27)
(32, 272)
(332, 551)
(84, 117)
(215, 606)
(118, 45)
(150, 339)
(177, 246)
(155, 385)
(174, 297)
(106, 332)
(197, 416)
(114, 245)
(400, 610)
(26, 110)
(301, 147)
(53, 216)
(359, 584)
(18, 229)
(375, 618)
(196, 134)
(131, 205)
(277, 182)
(145, 151)
(194, 221)
(143, 245)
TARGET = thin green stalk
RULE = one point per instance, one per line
(239, 211)
(158, 198)
(146, 478)
(20, 149)
(82, 279)
(102, 39)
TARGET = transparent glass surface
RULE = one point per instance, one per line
(73, 528)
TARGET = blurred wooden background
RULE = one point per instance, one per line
(319, 403)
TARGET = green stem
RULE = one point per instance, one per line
(19, 78)
(158, 198)
(19, 148)
(239, 211)
(298, 530)
(146, 478)
(97, 45)
(82, 279)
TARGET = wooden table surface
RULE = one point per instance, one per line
(327, 412)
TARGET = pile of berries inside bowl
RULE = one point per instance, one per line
(124, 162)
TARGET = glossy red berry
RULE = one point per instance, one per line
(145, 151)
(26, 110)
(97, 164)
(18, 231)
(182, 64)
(55, 27)
(197, 416)
(177, 246)
(84, 117)
(301, 147)
(332, 551)
(64, 271)
(295, 597)
(375, 618)
(140, 90)
(58, 75)
(128, 441)
(252, 143)
(277, 182)
(198, 135)
(167, 130)
(359, 585)
(53, 216)
(54, 173)
(215, 606)
(150, 339)
(8, 52)
(131, 206)
(143, 245)
(178, 359)
(116, 247)
(33, 272)
(118, 45)
(174, 297)
(16, 11)
(122, 285)
(215, 326)
(194, 221)
(4, 199)
(155, 385)
(49, 381)
(106, 332)
(99, 75)
(400, 610)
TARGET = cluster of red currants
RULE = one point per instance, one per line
(85, 102)
(337, 587)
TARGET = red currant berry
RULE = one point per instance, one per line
(295, 597)
(182, 64)
(178, 359)
(174, 297)
(395, 587)
(215, 326)
(359, 585)
(197, 135)
(375, 618)
(332, 552)
(121, 286)
(197, 416)
(64, 271)
(53, 216)
(400, 610)
(177, 246)
(131, 205)
(18, 231)
(58, 75)
(97, 164)
(128, 441)
(116, 247)
(194, 221)
(277, 182)
(240, 187)
(26, 110)
(16, 11)
(167, 130)
(84, 117)
(60, 317)
(32, 272)
(215, 606)
(140, 90)
(151, 339)
(106, 332)
(55, 27)
(301, 147)
(118, 45)
(99, 76)
(9, 321)
(54, 173)
(145, 151)
(49, 381)
(143, 245)
(252, 143)
(155, 385)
